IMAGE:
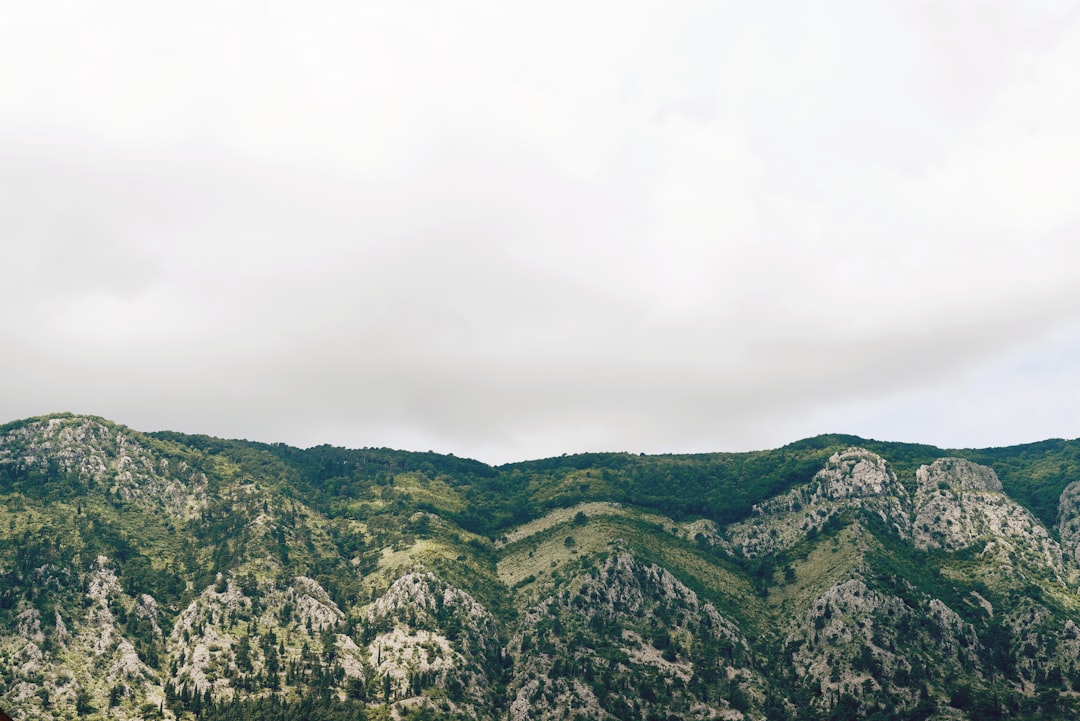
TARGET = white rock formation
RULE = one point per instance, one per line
(855, 479)
(960, 505)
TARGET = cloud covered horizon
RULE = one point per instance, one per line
(510, 231)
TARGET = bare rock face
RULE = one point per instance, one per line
(1069, 521)
(650, 639)
(56, 659)
(225, 638)
(1036, 661)
(203, 638)
(960, 505)
(867, 644)
(424, 633)
(102, 456)
(853, 479)
(855, 473)
(959, 475)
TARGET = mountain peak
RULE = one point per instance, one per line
(959, 475)
(855, 473)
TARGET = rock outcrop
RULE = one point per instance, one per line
(854, 480)
(649, 637)
(422, 634)
(865, 644)
(960, 505)
(89, 454)
(1068, 525)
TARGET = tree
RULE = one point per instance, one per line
(83, 706)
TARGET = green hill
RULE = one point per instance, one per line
(165, 575)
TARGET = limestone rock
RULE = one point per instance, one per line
(1069, 521)
(640, 627)
(960, 505)
(855, 479)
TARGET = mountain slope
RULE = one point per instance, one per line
(164, 575)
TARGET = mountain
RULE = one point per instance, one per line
(162, 575)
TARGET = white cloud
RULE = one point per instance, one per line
(510, 230)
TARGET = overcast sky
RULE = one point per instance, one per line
(510, 230)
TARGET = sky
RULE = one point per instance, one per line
(512, 230)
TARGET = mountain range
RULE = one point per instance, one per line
(164, 575)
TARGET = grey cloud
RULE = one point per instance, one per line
(754, 226)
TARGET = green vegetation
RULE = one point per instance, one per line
(277, 575)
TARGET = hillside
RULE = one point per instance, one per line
(162, 575)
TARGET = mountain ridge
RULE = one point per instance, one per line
(149, 575)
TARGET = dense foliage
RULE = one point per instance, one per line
(720, 486)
